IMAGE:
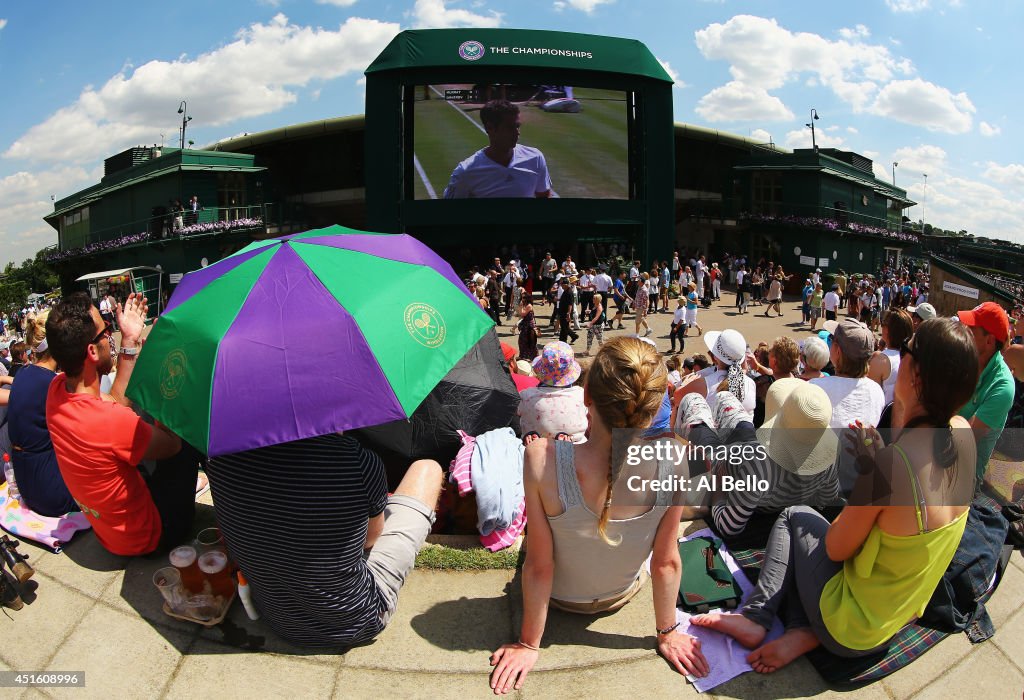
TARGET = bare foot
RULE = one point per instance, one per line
(791, 645)
(746, 632)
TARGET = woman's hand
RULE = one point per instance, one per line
(683, 652)
(865, 441)
(512, 662)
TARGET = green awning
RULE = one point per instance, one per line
(98, 194)
(546, 50)
(870, 183)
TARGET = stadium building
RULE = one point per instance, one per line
(621, 172)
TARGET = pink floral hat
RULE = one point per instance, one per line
(556, 365)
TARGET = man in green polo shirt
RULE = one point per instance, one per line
(988, 408)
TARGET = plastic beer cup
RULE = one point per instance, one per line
(168, 582)
(184, 560)
(209, 540)
(214, 566)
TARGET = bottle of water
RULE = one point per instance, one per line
(12, 486)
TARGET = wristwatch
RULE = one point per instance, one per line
(128, 352)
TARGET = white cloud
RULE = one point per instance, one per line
(925, 104)
(916, 160)
(852, 130)
(739, 101)
(960, 203)
(1009, 175)
(801, 138)
(765, 56)
(676, 82)
(987, 129)
(858, 32)
(907, 5)
(761, 135)
(434, 14)
(337, 3)
(586, 6)
(3, 23)
(253, 75)
(25, 200)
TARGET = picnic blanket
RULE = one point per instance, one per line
(906, 646)
(29, 525)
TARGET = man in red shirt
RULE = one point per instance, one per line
(99, 441)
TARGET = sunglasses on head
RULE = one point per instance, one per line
(905, 349)
(108, 330)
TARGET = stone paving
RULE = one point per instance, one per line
(94, 612)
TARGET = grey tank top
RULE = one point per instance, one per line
(586, 567)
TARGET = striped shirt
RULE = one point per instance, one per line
(294, 517)
(785, 489)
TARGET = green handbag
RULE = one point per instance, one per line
(706, 581)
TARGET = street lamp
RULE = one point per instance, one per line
(810, 125)
(924, 205)
(894, 164)
(185, 119)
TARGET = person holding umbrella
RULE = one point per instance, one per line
(99, 441)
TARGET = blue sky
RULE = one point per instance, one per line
(931, 84)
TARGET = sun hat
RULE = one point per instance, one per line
(989, 316)
(728, 345)
(556, 365)
(924, 311)
(797, 435)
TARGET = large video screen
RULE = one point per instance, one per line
(515, 140)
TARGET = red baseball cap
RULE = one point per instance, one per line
(989, 316)
(508, 351)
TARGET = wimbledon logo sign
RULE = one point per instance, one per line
(425, 324)
(471, 50)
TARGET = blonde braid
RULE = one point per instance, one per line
(627, 383)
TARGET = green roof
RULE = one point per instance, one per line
(491, 48)
(172, 162)
(293, 132)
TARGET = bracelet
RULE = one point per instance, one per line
(667, 629)
(528, 646)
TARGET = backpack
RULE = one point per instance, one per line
(706, 581)
(958, 603)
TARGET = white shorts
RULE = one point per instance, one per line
(691, 317)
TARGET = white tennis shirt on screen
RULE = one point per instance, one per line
(479, 176)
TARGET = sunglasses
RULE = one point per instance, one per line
(108, 330)
(905, 349)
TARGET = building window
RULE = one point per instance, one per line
(767, 193)
(231, 196)
(74, 228)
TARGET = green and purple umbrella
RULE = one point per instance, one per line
(305, 335)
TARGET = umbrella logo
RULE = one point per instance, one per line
(172, 374)
(425, 324)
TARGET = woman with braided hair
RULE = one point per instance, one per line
(586, 549)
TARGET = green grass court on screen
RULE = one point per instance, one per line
(587, 153)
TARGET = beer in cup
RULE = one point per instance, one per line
(184, 560)
(214, 565)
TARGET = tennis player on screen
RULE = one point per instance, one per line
(505, 168)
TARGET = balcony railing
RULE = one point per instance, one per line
(206, 222)
(810, 216)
